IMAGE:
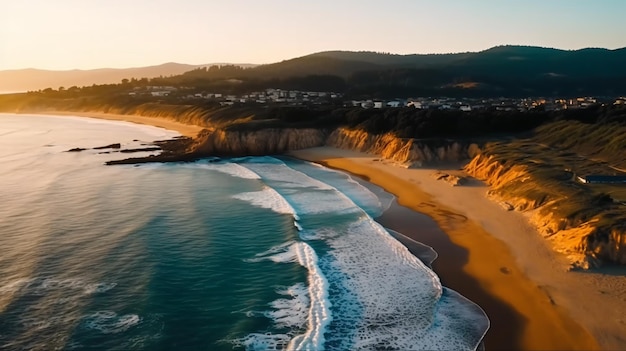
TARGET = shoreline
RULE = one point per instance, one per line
(527, 310)
(491, 256)
(188, 130)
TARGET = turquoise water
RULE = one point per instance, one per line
(259, 253)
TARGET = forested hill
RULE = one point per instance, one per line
(35, 79)
(499, 71)
(508, 71)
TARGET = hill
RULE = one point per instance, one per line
(35, 79)
(509, 71)
(514, 71)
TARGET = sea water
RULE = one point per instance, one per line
(254, 253)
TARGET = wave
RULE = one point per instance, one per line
(381, 295)
(230, 168)
(305, 194)
(308, 309)
(109, 322)
(425, 253)
(268, 198)
(372, 199)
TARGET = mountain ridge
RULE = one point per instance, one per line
(34, 78)
(505, 70)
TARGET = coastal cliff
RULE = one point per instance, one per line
(408, 151)
(260, 142)
(589, 228)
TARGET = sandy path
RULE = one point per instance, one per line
(495, 258)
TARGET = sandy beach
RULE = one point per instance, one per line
(496, 259)
(490, 255)
(184, 129)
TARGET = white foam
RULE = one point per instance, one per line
(374, 203)
(275, 253)
(288, 177)
(319, 315)
(383, 297)
(108, 322)
(291, 312)
(308, 307)
(98, 288)
(386, 298)
(262, 342)
(232, 169)
(298, 226)
(303, 193)
(268, 198)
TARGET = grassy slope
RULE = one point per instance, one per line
(539, 174)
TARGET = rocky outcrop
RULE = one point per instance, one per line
(452, 179)
(412, 152)
(219, 142)
(589, 230)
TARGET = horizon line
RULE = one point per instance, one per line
(309, 54)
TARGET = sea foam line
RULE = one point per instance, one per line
(375, 202)
(319, 309)
(318, 316)
(270, 199)
(304, 193)
(230, 168)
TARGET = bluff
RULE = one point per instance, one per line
(408, 151)
(259, 142)
(588, 228)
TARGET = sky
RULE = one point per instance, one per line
(85, 34)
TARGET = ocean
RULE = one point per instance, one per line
(253, 253)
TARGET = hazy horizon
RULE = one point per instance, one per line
(287, 58)
(72, 34)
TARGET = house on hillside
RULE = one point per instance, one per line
(602, 179)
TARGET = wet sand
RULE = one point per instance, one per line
(493, 257)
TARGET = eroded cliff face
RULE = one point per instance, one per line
(410, 152)
(260, 142)
(587, 242)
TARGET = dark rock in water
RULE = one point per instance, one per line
(110, 146)
(179, 144)
(128, 151)
(163, 158)
(174, 150)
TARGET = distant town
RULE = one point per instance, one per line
(304, 98)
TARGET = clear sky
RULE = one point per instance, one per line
(66, 34)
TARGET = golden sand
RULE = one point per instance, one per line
(471, 261)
